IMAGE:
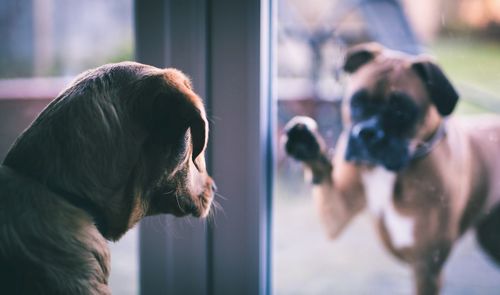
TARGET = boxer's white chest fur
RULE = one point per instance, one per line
(379, 189)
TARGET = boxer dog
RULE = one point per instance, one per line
(425, 177)
(124, 141)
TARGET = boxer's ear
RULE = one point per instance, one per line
(441, 91)
(359, 55)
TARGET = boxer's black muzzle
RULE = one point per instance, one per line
(381, 129)
(369, 144)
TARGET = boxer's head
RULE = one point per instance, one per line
(393, 103)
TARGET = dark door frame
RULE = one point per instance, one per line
(225, 46)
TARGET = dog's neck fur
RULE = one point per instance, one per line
(86, 205)
(79, 202)
(59, 229)
(111, 221)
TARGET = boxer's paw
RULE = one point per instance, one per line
(301, 139)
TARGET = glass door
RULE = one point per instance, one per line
(313, 37)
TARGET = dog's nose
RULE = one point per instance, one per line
(368, 132)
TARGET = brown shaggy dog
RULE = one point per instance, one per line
(124, 141)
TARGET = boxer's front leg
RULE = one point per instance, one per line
(427, 283)
(427, 264)
(427, 274)
(336, 205)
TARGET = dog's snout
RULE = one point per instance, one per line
(370, 134)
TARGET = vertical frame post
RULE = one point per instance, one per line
(225, 46)
(240, 99)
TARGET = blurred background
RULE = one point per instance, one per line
(464, 35)
(45, 43)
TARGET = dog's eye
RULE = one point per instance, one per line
(359, 98)
(401, 113)
(362, 106)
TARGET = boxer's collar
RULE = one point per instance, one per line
(426, 147)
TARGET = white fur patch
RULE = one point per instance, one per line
(379, 188)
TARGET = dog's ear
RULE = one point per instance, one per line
(199, 136)
(168, 108)
(178, 112)
(441, 91)
(359, 55)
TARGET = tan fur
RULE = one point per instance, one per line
(122, 142)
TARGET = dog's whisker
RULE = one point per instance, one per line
(169, 193)
(179, 204)
(217, 207)
(210, 215)
(189, 221)
(211, 120)
(221, 196)
(211, 220)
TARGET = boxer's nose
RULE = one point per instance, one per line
(368, 132)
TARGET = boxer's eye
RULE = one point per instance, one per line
(362, 106)
(401, 113)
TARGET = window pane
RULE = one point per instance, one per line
(312, 40)
(58, 37)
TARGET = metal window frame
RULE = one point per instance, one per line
(225, 46)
